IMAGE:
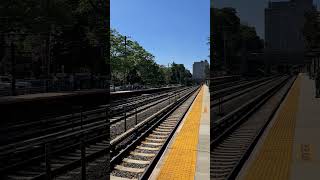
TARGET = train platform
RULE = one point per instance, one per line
(188, 154)
(289, 149)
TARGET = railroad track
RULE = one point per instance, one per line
(229, 84)
(137, 158)
(47, 157)
(224, 79)
(119, 104)
(80, 116)
(130, 104)
(120, 124)
(235, 135)
(230, 90)
(220, 107)
(52, 147)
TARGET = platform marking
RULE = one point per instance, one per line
(205, 109)
(306, 152)
(274, 158)
(181, 160)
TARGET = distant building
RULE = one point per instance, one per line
(284, 23)
(199, 70)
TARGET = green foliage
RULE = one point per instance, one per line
(132, 64)
(250, 40)
(76, 30)
(228, 34)
(311, 30)
(179, 75)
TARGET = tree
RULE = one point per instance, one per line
(225, 28)
(250, 41)
(179, 74)
(132, 58)
(74, 33)
(311, 30)
(132, 64)
(230, 39)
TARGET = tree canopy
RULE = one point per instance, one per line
(231, 38)
(131, 63)
(311, 30)
(73, 33)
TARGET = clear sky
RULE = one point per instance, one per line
(172, 30)
(250, 11)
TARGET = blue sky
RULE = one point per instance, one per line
(172, 30)
(250, 11)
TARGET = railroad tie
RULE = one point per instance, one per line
(151, 143)
(129, 169)
(142, 154)
(128, 160)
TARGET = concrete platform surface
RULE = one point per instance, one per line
(306, 146)
(203, 156)
(188, 154)
(290, 147)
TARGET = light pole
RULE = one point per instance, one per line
(225, 29)
(224, 50)
(125, 57)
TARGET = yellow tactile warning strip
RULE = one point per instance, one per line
(180, 162)
(274, 158)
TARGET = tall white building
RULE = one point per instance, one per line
(199, 70)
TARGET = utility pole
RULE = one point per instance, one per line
(244, 57)
(48, 38)
(224, 49)
(225, 29)
(46, 58)
(125, 56)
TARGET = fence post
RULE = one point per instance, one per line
(220, 106)
(83, 160)
(47, 161)
(107, 123)
(125, 118)
(136, 114)
(72, 120)
(81, 117)
(107, 116)
(13, 70)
